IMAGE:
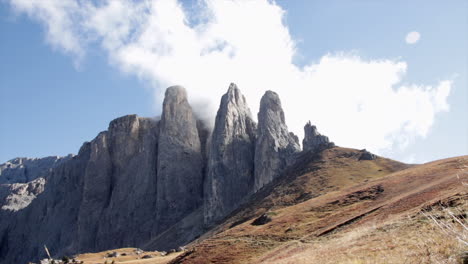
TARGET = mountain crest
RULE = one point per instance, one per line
(275, 145)
(313, 140)
(230, 175)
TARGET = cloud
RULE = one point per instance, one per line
(412, 37)
(356, 102)
(58, 18)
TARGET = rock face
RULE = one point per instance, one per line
(23, 179)
(119, 180)
(313, 140)
(366, 155)
(17, 196)
(180, 163)
(230, 177)
(149, 183)
(23, 170)
(275, 144)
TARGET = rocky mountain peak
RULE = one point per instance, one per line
(123, 122)
(233, 96)
(230, 175)
(275, 145)
(313, 140)
(179, 161)
(271, 111)
(176, 94)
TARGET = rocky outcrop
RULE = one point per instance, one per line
(313, 141)
(23, 170)
(366, 155)
(275, 145)
(179, 163)
(16, 196)
(23, 179)
(230, 177)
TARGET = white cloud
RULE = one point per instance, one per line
(412, 37)
(356, 102)
(59, 18)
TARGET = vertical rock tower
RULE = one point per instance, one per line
(180, 163)
(230, 176)
(313, 141)
(275, 144)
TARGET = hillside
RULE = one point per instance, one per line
(362, 213)
(335, 208)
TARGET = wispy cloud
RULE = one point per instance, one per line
(357, 102)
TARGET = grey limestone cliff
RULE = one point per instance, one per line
(17, 196)
(23, 179)
(23, 170)
(179, 161)
(119, 180)
(313, 141)
(102, 198)
(230, 177)
(275, 145)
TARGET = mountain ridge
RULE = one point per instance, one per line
(134, 181)
(236, 193)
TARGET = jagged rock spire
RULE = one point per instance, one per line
(313, 140)
(275, 144)
(179, 161)
(230, 176)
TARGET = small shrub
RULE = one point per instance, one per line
(65, 259)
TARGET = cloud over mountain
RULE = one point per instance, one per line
(206, 45)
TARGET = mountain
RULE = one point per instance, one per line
(145, 182)
(232, 193)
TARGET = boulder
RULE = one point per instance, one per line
(366, 155)
(263, 219)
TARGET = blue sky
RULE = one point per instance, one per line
(56, 95)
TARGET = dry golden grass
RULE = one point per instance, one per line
(131, 258)
(408, 240)
(364, 223)
(437, 233)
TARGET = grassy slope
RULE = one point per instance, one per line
(326, 197)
